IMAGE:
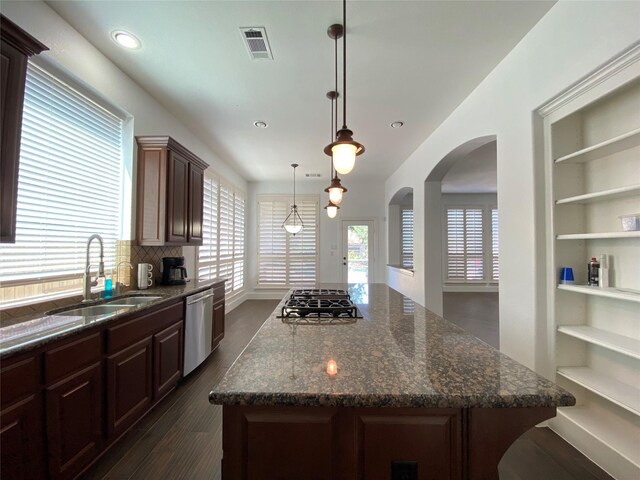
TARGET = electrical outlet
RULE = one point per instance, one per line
(404, 470)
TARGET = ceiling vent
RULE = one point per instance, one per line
(255, 39)
(313, 175)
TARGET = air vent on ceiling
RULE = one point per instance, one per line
(255, 39)
(313, 175)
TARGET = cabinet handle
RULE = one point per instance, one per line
(200, 299)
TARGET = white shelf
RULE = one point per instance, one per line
(608, 147)
(612, 194)
(612, 341)
(595, 236)
(623, 395)
(608, 292)
(622, 437)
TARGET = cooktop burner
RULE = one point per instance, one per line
(319, 293)
(319, 308)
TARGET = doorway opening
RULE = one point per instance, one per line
(357, 251)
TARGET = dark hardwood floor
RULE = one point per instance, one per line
(182, 437)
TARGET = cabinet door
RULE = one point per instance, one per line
(177, 199)
(218, 324)
(152, 185)
(22, 455)
(167, 359)
(74, 422)
(129, 390)
(196, 191)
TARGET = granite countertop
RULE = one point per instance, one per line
(398, 355)
(38, 329)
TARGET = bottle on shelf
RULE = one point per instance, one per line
(593, 268)
(108, 285)
(603, 274)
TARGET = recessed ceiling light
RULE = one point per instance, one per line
(397, 124)
(260, 124)
(125, 39)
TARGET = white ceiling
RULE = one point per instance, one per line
(475, 173)
(413, 61)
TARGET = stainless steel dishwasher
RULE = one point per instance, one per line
(198, 329)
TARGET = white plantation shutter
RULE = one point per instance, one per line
(464, 244)
(284, 259)
(495, 264)
(69, 186)
(407, 238)
(222, 253)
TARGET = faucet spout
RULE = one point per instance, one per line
(87, 282)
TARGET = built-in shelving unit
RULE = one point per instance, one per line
(618, 343)
(592, 173)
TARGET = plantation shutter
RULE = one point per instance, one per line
(464, 244)
(495, 264)
(407, 238)
(69, 186)
(238, 242)
(284, 259)
(208, 251)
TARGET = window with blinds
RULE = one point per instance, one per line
(69, 186)
(407, 238)
(283, 259)
(222, 253)
(464, 244)
(495, 264)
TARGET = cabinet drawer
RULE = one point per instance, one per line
(19, 379)
(143, 326)
(71, 357)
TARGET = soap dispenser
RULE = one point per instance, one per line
(108, 285)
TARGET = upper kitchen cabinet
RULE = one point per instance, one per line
(170, 187)
(16, 46)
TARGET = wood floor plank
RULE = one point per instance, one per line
(182, 437)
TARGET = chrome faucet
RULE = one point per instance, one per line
(87, 283)
(118, 284)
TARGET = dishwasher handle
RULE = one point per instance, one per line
(200, 299)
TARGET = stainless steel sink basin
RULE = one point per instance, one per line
(93, 311)
(132, 301)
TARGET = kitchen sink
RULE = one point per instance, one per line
(132, 301)
(93, 311)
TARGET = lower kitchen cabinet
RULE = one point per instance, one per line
(74, 422)
(129, 390)
(21, 448)
(218, 324)
(167, 359)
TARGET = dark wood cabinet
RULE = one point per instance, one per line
(74, 422)
(170, 193)
(21, 420)
(129, 389)
(218, 324)
(167, 359)
(16, 46)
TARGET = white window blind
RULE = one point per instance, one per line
(495, 263)
(283, 259)
(222, 253)
(69, 186)
(464, 244)
(407, 238)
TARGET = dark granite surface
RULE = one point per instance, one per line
(398, 355)
(55, 325)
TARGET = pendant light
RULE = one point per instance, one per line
(344, 148)
(293, 223)
(335, 189)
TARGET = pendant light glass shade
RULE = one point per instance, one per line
(335, 195)
(293, 223)
(344, 157)
(332, 209)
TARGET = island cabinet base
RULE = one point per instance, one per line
(319, 443)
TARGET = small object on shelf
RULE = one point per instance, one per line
(630, 223)
(593, 268)
(603, 274)
(566, 276)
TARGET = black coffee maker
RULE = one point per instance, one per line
(173, 271)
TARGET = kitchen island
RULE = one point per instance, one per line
(413, 395)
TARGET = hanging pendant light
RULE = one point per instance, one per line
(344, 148)
(332, 210)
(335, 189)
(293, 223)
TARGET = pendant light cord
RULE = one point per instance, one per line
(334, 112)
(344, 64)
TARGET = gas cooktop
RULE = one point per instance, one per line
(316, 305)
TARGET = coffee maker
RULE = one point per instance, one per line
(173, 271)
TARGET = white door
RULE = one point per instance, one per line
(357, 251)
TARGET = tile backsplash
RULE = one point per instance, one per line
(152, 255)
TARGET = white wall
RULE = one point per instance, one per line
(573, 39)
(72, 53)
(363, 201)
